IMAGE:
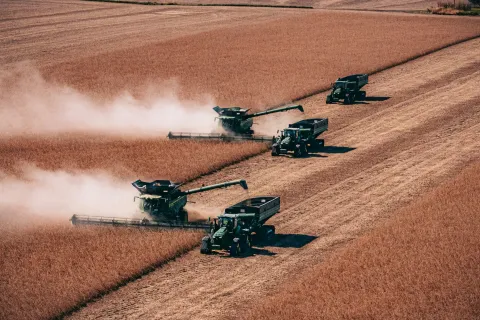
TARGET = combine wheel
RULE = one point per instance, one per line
(206, 247)
(275, 151)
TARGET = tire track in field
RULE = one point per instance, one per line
(404, 146)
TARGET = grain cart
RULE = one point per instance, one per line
(237, 124)
(233, 230)
(300, 137)
(163, 202)
(348, 89)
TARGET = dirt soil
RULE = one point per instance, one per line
(419, 125)
(49, 32)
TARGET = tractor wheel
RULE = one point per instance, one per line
(297, 152)
(206, 247)
(268, 234)
(303, 149)
(361, 95)
(329, 99)
(235, 248)
(349, 99)
(246, 245)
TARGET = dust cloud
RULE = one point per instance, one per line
(197, 212)
(270, 124)
(60, 194)
(30, 105)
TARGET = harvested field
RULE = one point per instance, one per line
(56, 31)
(270, 62)
(327, 4)
(383, 154)
(47, 269)
(423, 264)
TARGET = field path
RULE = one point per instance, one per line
(380, 156)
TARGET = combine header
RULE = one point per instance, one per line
(237, 122)
(300, 137)
(163, 202)
(348, 89)
(233, 230)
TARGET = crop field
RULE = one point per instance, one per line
(267, 63)
(44, 262)
(89, 90)
(422, 264)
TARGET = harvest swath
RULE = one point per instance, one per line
(422, 264)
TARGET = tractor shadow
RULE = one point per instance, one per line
(317, 151)
(296, 241)
(364, 101)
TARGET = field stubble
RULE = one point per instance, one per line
(424, 263)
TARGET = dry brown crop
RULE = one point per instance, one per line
(268, 62)
(424, 264)
(49, 269)
(129, 159)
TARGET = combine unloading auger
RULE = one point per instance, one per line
(163, 203)
(237, 124)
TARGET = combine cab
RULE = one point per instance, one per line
(300, 137)
(348, 89)
(233, 231)
(163, 203)
(236, 122)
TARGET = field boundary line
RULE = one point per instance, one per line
(153, 3)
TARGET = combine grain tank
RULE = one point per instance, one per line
(348, 89)
(300, 137)
(233, 230)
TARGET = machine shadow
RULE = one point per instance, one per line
(373, 98)
(289, 241)
(328, 149)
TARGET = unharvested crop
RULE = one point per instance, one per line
(269, 62)
(48, 269)
(129, 159)
(424, 264)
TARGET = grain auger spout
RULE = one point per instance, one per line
(237, 125)
(162, 203)
(242, 183)
(262, 113)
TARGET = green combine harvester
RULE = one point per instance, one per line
(348, 89)
(162, 202)
(234, 230)
(300, 137)
(236, 122)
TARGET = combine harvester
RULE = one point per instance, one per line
(233, 230)
(237, 124)
(163, 202)
(348, 89)
(300, 137)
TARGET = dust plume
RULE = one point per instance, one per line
(60, 194)
(30, 105)
(197, 212)
(269, 124)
